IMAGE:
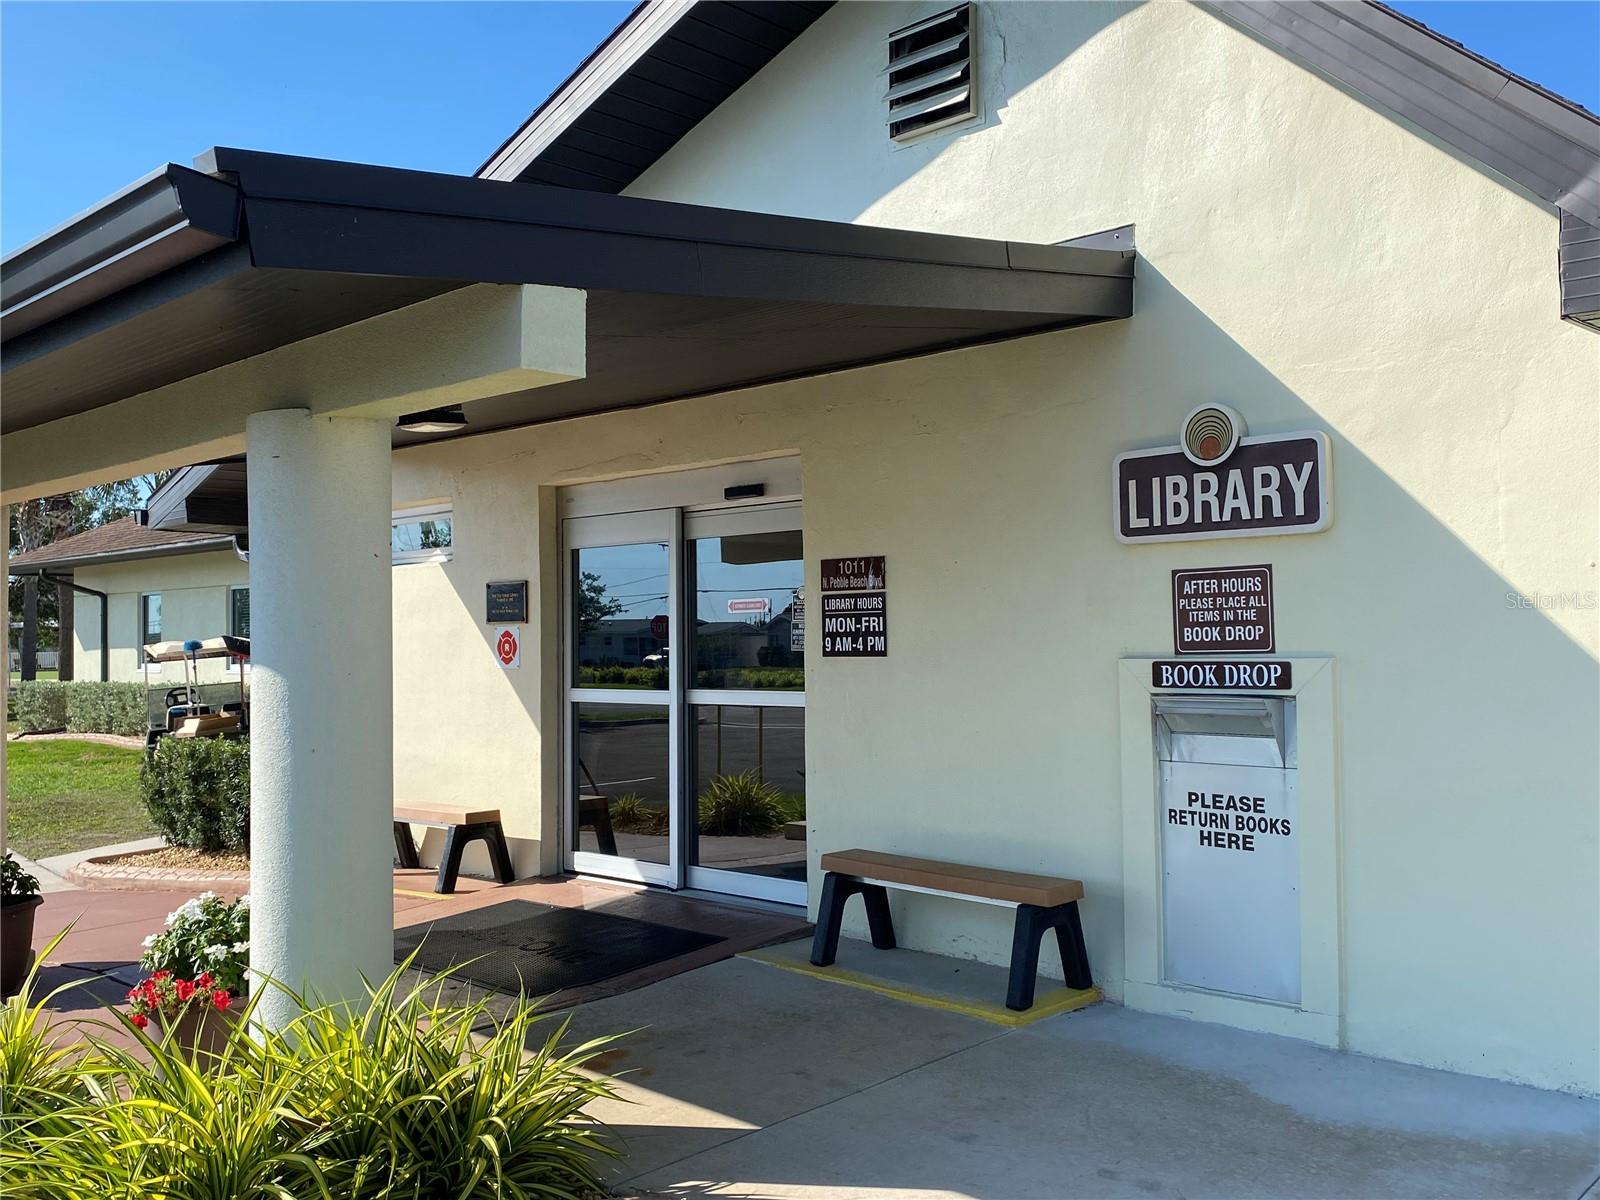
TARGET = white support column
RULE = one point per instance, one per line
(321, 769)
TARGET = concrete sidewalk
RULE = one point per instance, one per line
(748, 1080)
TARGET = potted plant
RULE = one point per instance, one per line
(197, 970)
(19, 899)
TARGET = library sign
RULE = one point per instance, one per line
(1218, 483)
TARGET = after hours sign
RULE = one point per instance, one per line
(1223, 610)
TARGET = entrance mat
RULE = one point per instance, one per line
(928, 980)
(539, 949)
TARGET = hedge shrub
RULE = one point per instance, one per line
(81, 706)
(197, 791)
(41, 705)
(94, 707)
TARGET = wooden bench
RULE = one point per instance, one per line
(461, 825)
(1043, 902)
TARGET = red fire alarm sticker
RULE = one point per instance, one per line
(508, 648)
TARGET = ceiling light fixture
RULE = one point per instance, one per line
(434, 420)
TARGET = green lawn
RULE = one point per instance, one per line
(42, 676)
(66, 795)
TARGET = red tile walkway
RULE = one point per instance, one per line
(108, 928)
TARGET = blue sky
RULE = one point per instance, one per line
(93, 95)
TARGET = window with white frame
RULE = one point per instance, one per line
(420, 534)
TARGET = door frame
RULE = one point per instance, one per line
(621, 529)
(681, 505)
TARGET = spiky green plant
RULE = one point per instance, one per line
(408, 1094)
(742, 805)
(43, 1072)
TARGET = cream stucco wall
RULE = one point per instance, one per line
(195, 603)
(1303, 258)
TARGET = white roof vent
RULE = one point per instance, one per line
(930, 73)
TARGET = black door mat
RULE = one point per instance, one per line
(539, 949)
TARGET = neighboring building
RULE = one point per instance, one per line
(155, 585)
(905, 326)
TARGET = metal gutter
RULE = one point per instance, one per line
(104, 557)
(105, 618)
(170, 216)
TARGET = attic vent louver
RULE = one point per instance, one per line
(931, 74)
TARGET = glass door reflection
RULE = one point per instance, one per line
(623, 766)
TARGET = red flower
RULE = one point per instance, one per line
(185, 990)
(140, 1020)
(204, 981)
(133, 995)
(163, 974)
(220, 999)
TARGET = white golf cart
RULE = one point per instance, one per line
(186, 714)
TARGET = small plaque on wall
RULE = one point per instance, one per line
(507, 603)
(855, 607)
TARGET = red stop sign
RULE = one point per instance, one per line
(658, 627)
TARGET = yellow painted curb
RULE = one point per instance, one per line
(422, 895)
(1060, 1000)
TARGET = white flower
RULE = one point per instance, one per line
(189, 910)
(244, 901)
(217, 952)
(241, 947)
(150, 941)
(204, 896)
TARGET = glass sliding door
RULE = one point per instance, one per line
(745, 714)
(623, 764)
(686, 699)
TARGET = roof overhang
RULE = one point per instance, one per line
(681, 300)
(74, 562)
(664, 68)
(203, 498)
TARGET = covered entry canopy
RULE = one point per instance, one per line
(192, 269)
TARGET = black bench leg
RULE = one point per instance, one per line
(1074, 954)
(450, 860)
(1025, 939)
(836, 889)
(879, 919)
(830, 912)
(405, 847)
(499, 854)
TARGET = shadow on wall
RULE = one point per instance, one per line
(1467, 698)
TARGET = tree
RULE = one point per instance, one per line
(36, 523)
(594, 606)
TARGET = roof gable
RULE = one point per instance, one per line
(672, 62)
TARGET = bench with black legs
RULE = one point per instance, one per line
(1043, 902)
(461, 825)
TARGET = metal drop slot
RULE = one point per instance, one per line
(1230, 875)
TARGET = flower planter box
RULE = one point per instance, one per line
(16, 942)
(201, 1032)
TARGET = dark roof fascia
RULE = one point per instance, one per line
(169, 217)
(605, 60)
(663, 70)
(1537, 140)
(107, 557)
(167, 501)
(313, 214)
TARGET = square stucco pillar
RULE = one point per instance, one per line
(321, 769)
